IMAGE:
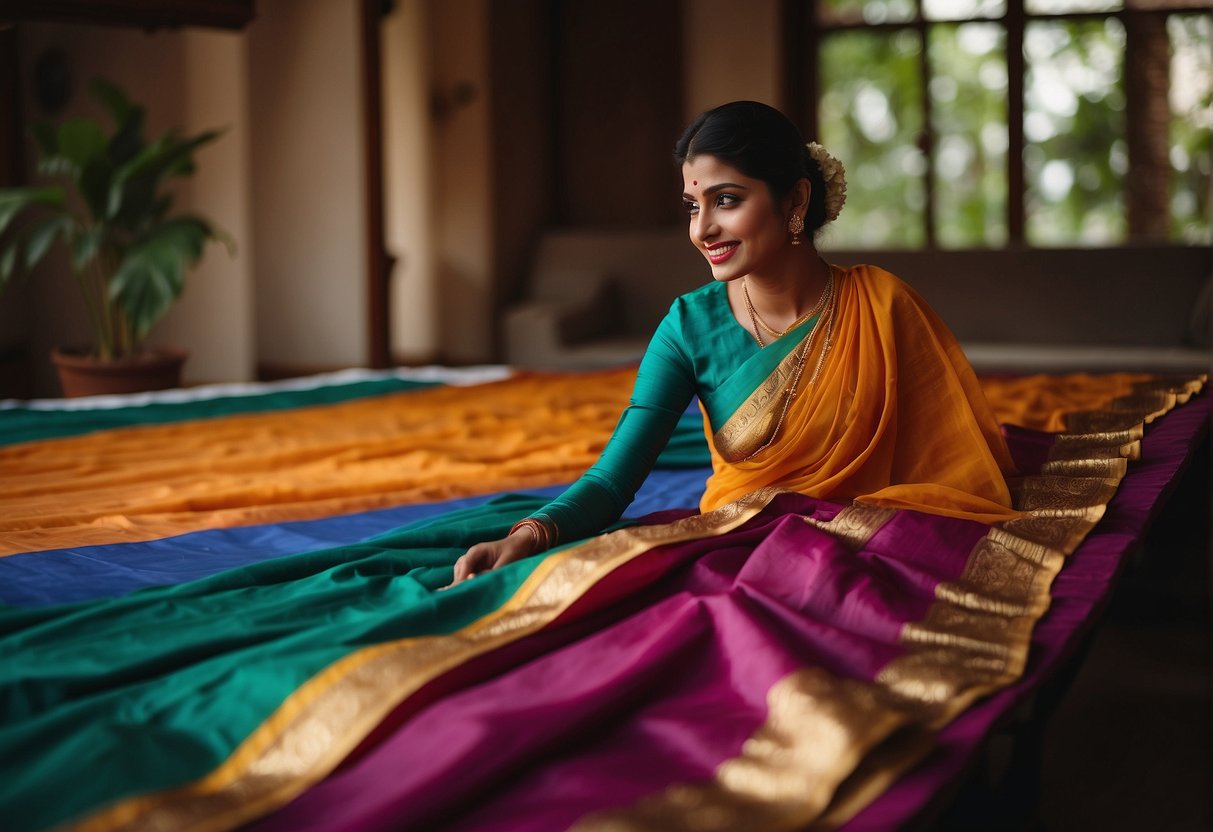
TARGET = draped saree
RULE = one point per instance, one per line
(896, 417)
(771, 662)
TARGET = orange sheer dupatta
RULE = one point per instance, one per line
(896, 417)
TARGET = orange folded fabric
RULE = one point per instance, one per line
(148, 482)
(1042, 402)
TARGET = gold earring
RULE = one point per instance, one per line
(795, 226)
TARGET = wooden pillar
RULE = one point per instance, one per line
(378, 261)
(1147, 85)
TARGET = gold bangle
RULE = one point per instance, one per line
(538, 530)
(551, 528)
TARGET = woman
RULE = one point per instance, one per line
(776, 660)
(834, 383)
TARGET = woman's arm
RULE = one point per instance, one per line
(665, 385)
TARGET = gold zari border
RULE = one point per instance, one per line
(973, 640)
(320, 724)
(751, 425)
(828, 747)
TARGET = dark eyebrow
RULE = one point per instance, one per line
(722, 186)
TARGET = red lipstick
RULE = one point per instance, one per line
(721, 253)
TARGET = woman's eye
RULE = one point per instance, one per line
(727, 200)
(690, 207)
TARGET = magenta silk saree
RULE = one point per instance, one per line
(776, 664)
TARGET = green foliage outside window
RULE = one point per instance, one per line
(969, 115)
(870, 118)
(871, 113)
(1074, 114)
(1191, 127)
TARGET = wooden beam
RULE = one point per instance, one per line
(147, 14)
(378, 261)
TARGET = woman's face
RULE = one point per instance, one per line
(733, 220)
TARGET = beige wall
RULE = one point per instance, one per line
(215, 316)
(308, 202)
(408, 187)
(463, 244)
(745, 65)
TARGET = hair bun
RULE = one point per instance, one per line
(835, 177)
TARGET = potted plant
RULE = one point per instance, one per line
(129, 252)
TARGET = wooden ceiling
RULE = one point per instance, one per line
(145, 14)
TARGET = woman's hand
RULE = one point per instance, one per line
(485, 556)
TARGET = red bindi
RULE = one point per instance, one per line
(694, 181)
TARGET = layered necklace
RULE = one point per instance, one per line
(827, 307)
(760, 324)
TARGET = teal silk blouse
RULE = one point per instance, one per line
(698, 349)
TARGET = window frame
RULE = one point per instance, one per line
(802, 46)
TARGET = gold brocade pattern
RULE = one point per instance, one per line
(751, 425)
(973, 640)
(855, 524)
(819, 728)
(322, 722)
(829, 745)
(1149, 399)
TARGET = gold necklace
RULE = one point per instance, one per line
(753, 316)
(829, 300)
(757, 320)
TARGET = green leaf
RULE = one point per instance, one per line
(8, 262)
(45, 137)
(145, 288)
(13, 201)
(81, 141)
(167, 156)
(152, 275)
(42, 237)
(127, 139)
(112, 98)
(86, 246)
(130, 199)
(94, 184)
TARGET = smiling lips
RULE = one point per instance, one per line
(719, 253)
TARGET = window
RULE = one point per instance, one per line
(985, 123)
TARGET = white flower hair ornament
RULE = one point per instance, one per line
(835, 176)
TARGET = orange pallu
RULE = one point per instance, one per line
(896, 418)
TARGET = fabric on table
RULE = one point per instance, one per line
(173, 681)
(1078, 596)
(933, 612)
(702, 644)
(1042, 402)
(111, 569)
(62, 576)
(142, 483)
(27, 424)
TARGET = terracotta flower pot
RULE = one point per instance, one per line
(83, 374)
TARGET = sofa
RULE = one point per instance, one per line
(594, 297)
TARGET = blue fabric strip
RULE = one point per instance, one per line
(58, 576)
